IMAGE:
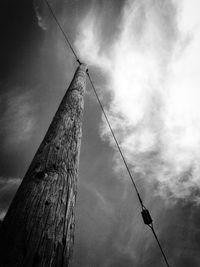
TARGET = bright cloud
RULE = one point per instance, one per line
(154, 78)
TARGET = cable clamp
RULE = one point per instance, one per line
(146, 216)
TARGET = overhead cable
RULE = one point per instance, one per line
(115, 139)
(64, 34)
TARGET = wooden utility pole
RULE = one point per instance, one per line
(38, 229)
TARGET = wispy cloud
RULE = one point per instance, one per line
(40, 19)
(153, 69)
(17, 120)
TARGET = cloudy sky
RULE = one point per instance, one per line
(144, 59)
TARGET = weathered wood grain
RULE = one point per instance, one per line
(38, 229)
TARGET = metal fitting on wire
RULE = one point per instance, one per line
(146, 216)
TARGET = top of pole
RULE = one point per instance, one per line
(83, 67)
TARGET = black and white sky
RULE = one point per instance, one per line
(143, 56)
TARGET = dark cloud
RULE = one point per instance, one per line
(19, 33)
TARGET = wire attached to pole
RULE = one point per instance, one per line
(145, 213)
